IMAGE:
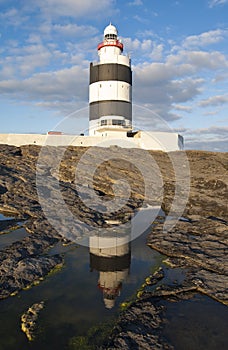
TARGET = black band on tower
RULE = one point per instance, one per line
(108, 264)
(105, 108)
(110, 71)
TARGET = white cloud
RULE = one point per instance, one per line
(213, 138)
(213, 3)
(153, 74)
(136, 3)
(65, 45)
(211, 113)
(147, 34)
(135, 45)
(141, 19)
(73, 30)
(61, 86)
(34, 38)
(196, 60)
(204, 39)
(7, 71)
(207, 145)
(146, 45)
(179, 79)
(212, 130)
(143, 48)
(157, 52)
(76, 8)
(155, 85)
(25, 59)
(13, 17)
(183, 90)
(214, 101)
(177, 107)
(220, 77)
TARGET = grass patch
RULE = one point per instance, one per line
(96, 337)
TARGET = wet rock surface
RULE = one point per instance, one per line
(140, 327)
(32, 179)
(29, 319)
(200, 247)
(24, 263)
(8, 225)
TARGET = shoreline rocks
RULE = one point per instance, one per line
(197, 245)
(201, 248)
(140, 327)
(29, 319)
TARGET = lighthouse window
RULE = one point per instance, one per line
(111, 36)
(117, 122)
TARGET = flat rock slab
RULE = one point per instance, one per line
(140, 327)
(201, 247)
(29, 319)
(24, 263)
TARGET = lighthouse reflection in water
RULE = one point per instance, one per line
(110, 255)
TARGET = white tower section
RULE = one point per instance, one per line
(111, 257)
(110, 89)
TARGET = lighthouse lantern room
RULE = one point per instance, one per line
(110, 89)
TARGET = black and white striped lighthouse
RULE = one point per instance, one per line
(110, 89)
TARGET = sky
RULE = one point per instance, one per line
(178, 51)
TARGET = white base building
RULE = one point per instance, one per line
(162, 141)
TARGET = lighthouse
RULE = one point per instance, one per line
(110, 109)
(111, 257)
(110, 88)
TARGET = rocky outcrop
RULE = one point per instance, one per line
(58, 168)
(24, 263)
(197, 243)
(208, 182)
(200, 247)
(8, 225)
(29, 319)
(140, 327)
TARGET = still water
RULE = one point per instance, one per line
(199, 323)
(87, 291)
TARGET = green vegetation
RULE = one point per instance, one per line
(79, 343)
(96, 337)
(126, 304)
(55, 269)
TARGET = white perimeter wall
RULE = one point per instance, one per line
(163, 141)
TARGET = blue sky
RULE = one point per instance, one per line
(179, 60)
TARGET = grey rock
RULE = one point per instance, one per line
(29, 319)
(200, 247)
(140, 327)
